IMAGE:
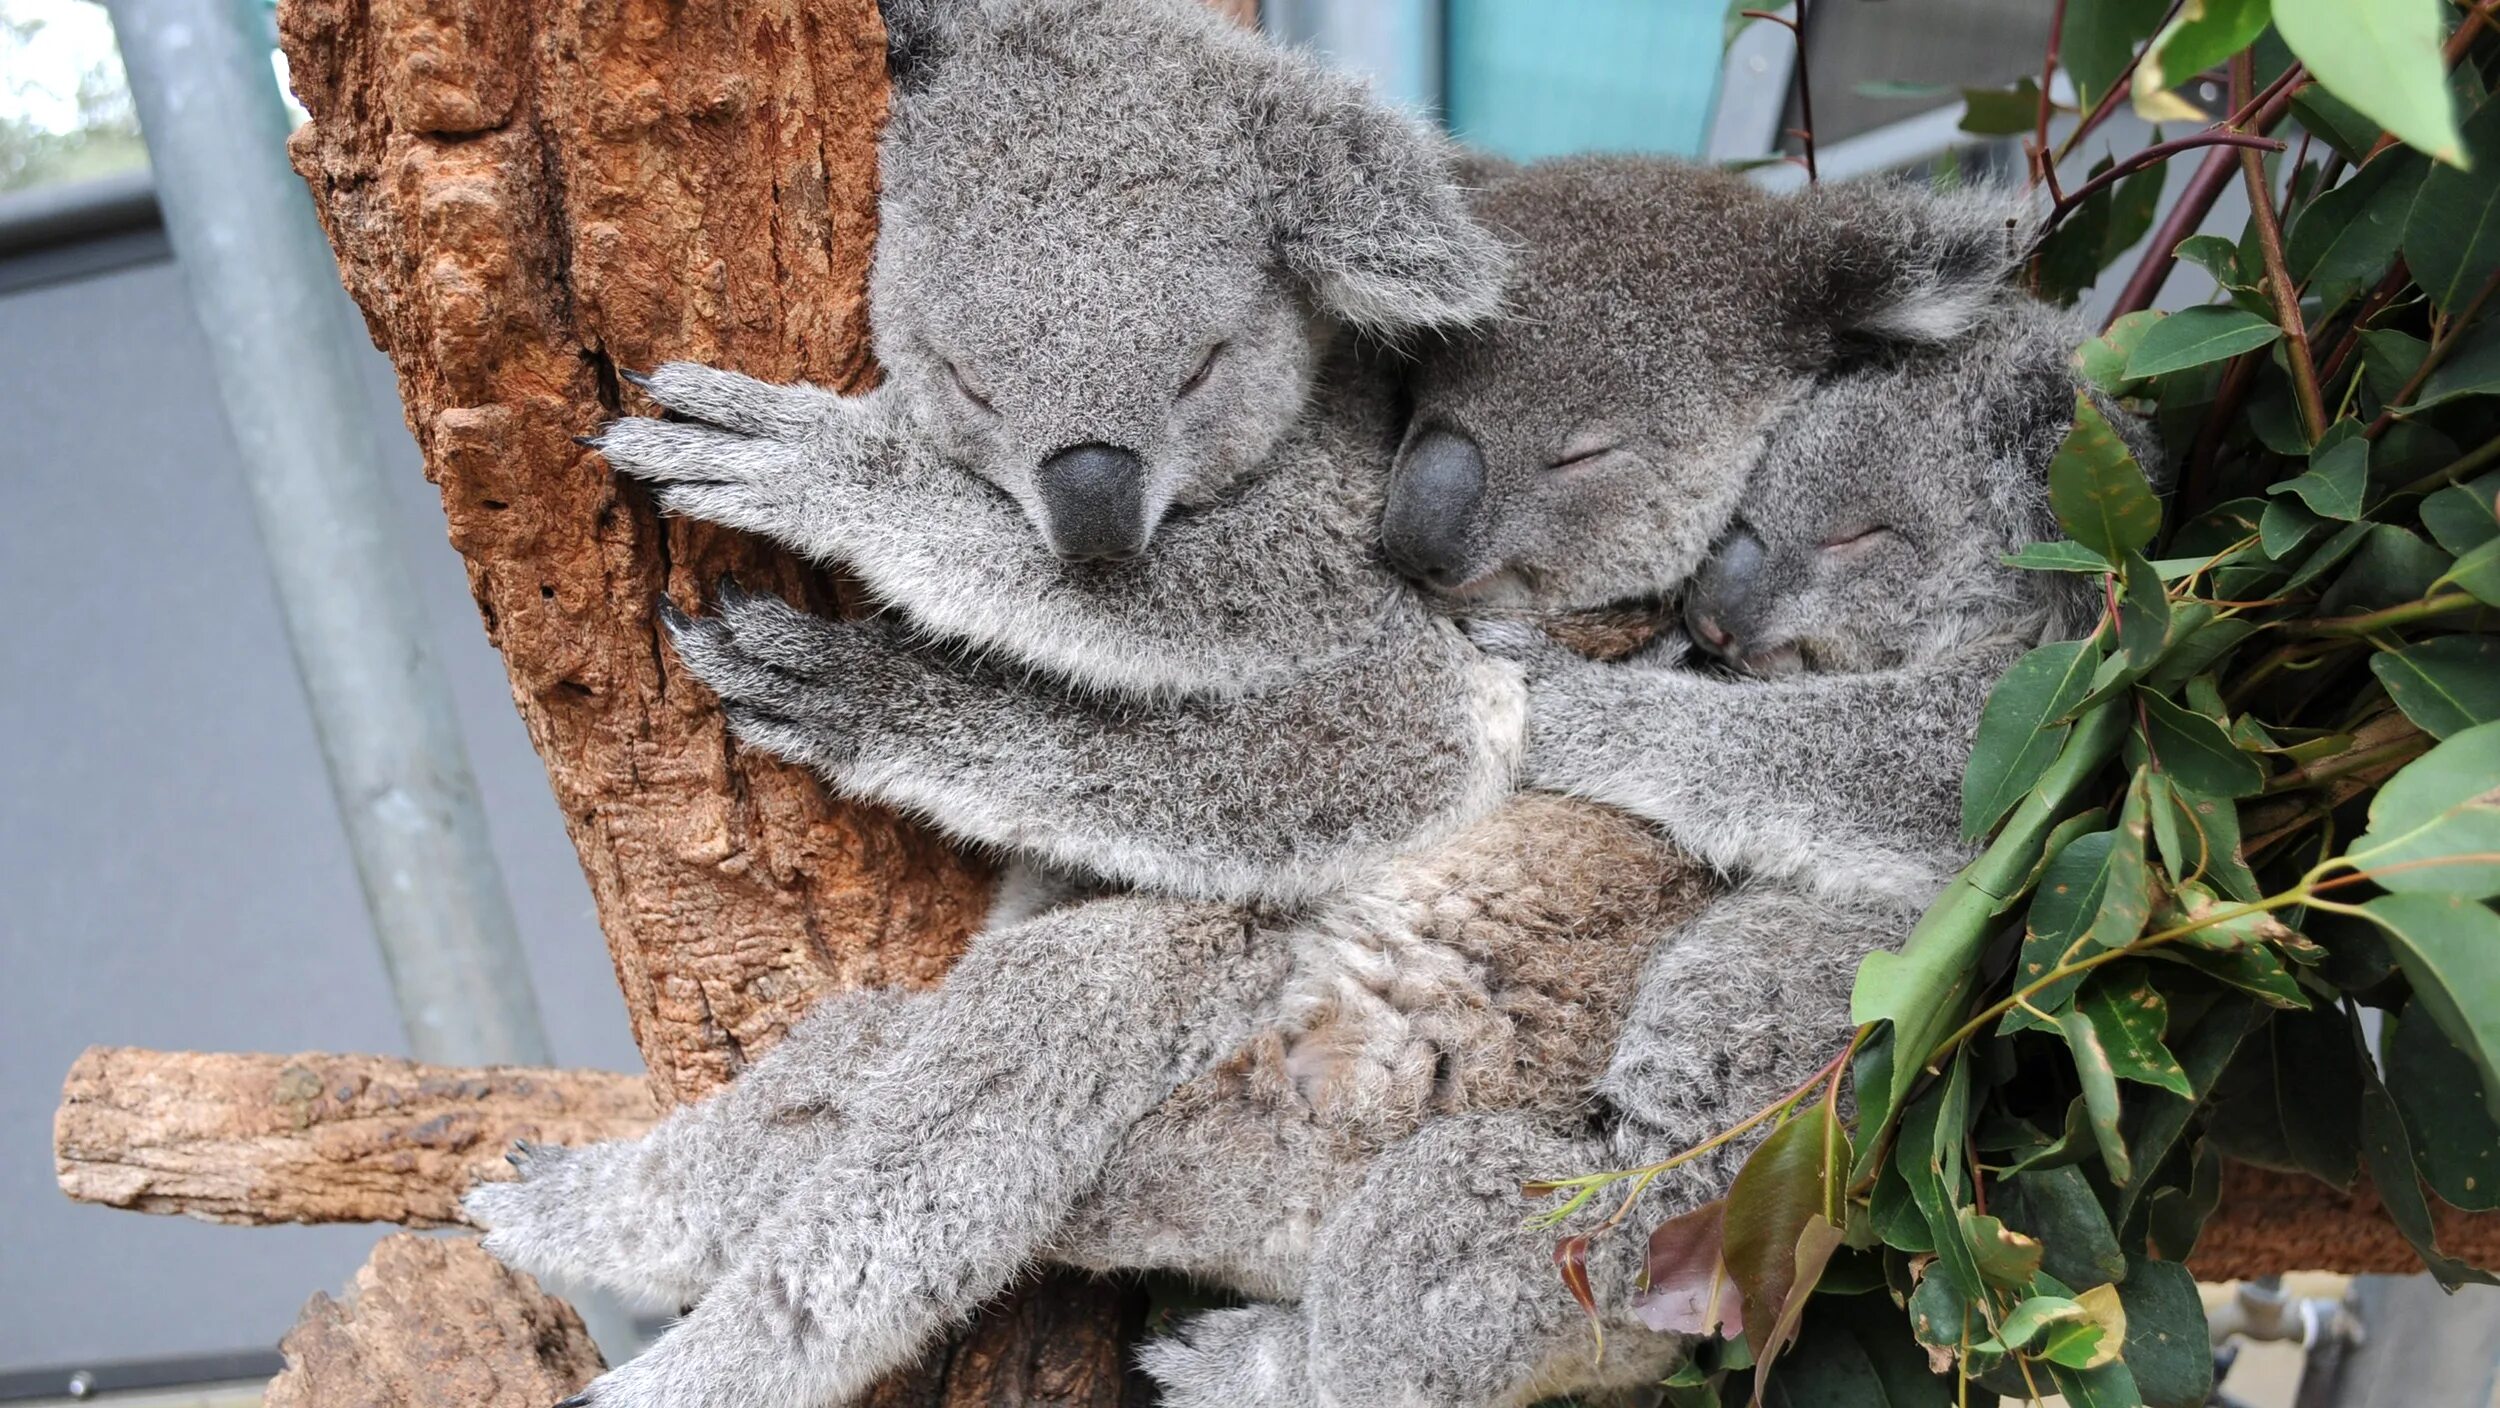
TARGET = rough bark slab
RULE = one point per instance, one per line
(434, 1322)
(314, 1138)
(523, 197)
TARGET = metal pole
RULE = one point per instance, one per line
(284, 354)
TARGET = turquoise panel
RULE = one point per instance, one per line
(1533, 78)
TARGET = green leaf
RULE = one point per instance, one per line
(2205, 33)
(1895, 1372)
(2285, 526)
(2388, 361)
(2100, 37)
(2161, 1118)
(2057, 1208)
(2449, 948)
(2213, 254)
(2024, 1323)
(2057, 556)
(2103, 360)
(2100, 1090)
(2193, 337)
(2473, 369)
(2461, 517)
(2068, 259)
(2383, 57)
(2456, 1144)
(1928, 1154)
(2167, 1345)
(2318, 1092)
(2323, 558)
(2131, 209)
(2348, 236)
(2335, 122)
(2109, 1386)
(2130, 1014)
(2007, 1259)
(2099, 492)
(2200, 840)
(2195, 751)
(2478, 571)
(2443, 804)
(2204, 645)
(2452, 238)
(1796, 1175)
(2387, 1147)
(2175, 1216)
(2446, 684)
(2253, 970)
(2019, 735)
(2339, 474)
(2143, 613)
(2001, 112)
(2392, 566)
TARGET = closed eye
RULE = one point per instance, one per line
(1580, 453)
(1206, 368)
(965, 386)
(1856, 538)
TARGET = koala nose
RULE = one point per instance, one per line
(1722, 592)
(1093, 503)
(1707, 631)
(1433, 495)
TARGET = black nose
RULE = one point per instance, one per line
(1093, 503)
(1433, 495)
(1718, 609)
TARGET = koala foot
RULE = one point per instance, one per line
(1254, 1357)
(584, 1214)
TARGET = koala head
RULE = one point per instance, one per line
(1871, 532)
(1118, 235)
(1590, 444)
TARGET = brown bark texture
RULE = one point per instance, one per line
(434, 1322)
(365, 1138)
(313, 1138)
(525, 196)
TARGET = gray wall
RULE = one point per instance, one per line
(171, 870)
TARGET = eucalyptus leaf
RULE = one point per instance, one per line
(2193, 337)
(2338, 478)
(2001, 112)
(2441, 806)
(2167, 1348)
(2478, 572)
(2387, 1147)
(2392, 566)
(2196, 752)
(2383, 57)
(2057, 1208)
(2019, 733)
(2203, 34)
(2098, 490)
(2452, 237)
(2461, 517)
(2449, 948)
(2446, 684)
(2347, 236)
(2335, 122)
(2090, 1051)
(2456, 1143)
(2130, 1014)
(2100, 37)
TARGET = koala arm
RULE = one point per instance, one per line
(1849, 782)
(962, 1148)
(1217, 798)
(1263, 584)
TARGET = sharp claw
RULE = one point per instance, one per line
(672, 615)
(725, 589)
(579, 1400)
(641, 380)
(593, 442)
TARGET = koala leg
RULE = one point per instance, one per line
(661, 1217)
(964, 1149)
(1427, 1289)
(1194, 796)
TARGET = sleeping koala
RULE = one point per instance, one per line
(897, 1160)
(1400, 1059)
(1862, 606)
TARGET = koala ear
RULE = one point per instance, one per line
(1893, 262)
(1365, 207)
(916, 32)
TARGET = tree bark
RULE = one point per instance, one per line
(434, 1322)
(525, 196)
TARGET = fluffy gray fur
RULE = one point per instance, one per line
(1420, 1047)
(879, 1177)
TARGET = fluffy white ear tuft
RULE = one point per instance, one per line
(1364, 205)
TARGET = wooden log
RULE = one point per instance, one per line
(434, 1322)
(314, 1138)
(364, 1138)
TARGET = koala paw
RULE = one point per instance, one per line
(791, 683)
(1255, 1357)
(739, 453)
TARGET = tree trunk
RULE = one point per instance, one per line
(524, 197)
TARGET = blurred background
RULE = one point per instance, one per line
(174, 866)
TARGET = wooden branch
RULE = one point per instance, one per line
(313, 1138)
(434, 1322)
(364, 1138)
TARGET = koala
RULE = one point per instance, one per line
(1857, 606)
(1273, 1101)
